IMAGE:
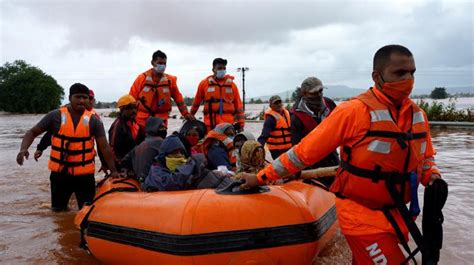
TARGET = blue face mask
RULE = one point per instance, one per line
(220, 74)
(160, 68)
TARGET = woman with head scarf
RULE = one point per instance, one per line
(192, 134)
(239, 141)
(252, 157)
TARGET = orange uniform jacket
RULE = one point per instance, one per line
(221, 99)
(73, 148)
(154, 96)
(346, 126)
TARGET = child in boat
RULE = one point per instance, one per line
(218, 146)
(239, 141)
(192, 134)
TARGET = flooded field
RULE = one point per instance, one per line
(32, 234)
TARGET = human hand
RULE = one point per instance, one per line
(37, 154)
(20, 157)
(114, 174)
(104, 169)
(249, 180)
(189, 117)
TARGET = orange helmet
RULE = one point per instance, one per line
(126, 100)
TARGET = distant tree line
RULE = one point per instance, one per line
(27, 89)
(437, 111)
(105, 105)
(442, 93)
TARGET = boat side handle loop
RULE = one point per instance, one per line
(234, 189)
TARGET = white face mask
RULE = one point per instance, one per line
(220, 74)
(160, 68)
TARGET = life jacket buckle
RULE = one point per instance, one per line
(402, 138)
(376, 177)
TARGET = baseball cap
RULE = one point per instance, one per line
(274, 99)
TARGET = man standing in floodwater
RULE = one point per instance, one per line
(386, 151)
(72, 165)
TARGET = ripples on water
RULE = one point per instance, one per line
(32, 234)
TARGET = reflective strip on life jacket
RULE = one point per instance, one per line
(219, 99)
(224, 139)
(380, 115)
(279, 168)
(418, 117)
(295, 160)
(384, 153)
(72, 149)
(379, 147)
(154, 97)
(280, 136)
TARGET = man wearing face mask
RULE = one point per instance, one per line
(154, 89)
(221, 98)
(386, 150)
(308, 112)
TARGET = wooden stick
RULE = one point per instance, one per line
(319, 172)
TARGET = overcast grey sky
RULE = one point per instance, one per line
(106, 44)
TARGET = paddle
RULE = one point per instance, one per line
(319, 172)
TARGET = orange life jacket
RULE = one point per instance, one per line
(384, 153)
(219, 97)
(224, 139)
(154, 98)
(280, 136)
(72, 149)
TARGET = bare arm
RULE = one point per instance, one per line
(107, 153)
(28, 139)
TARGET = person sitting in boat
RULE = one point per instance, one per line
(139, 160)
(239, 141)
(173, 170)
(252, 157)
(124, 133)
(192, 134)
(218, 146)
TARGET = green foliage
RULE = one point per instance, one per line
(114, 114)
(296, 94)
(258, 101)
(188, 101)
(105, 105)
(439, 93)
(437, 111)
(27, 89)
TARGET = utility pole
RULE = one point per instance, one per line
(243, 69)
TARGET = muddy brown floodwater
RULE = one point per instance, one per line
(31, 234)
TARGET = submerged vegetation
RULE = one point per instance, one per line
(438, 111)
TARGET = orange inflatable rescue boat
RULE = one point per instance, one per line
(281, 224)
